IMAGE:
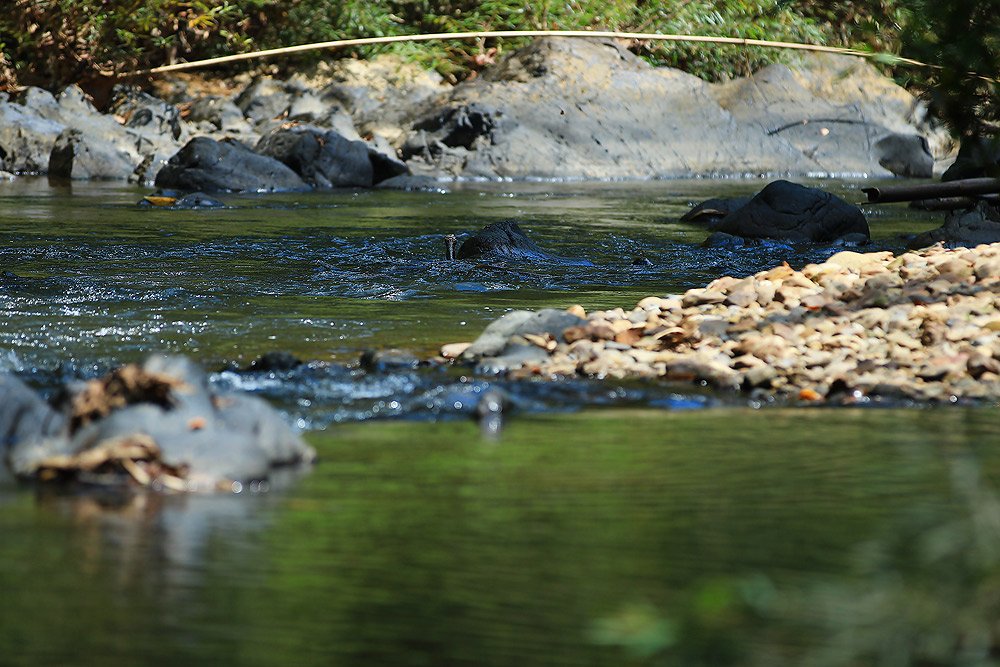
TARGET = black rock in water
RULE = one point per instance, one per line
(506, 240)
(792, 212)
(275, 361)
(226, 166)
(963, 228)
(500, 239)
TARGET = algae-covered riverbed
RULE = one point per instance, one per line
(609, 523)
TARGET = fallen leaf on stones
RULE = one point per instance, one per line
(546, 342)
(160, 201)
(629, 336)
(810, 395)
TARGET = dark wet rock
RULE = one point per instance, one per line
(711, 211)
(495, 338)
(907, 155)
(977, 157)
(724, 241)
(500, 239)
(468, 126)
(382, 361)
(727, 241)
(967, 228)
(386, 164)
(788, 211)
(204, 164)
(323, 159)
(198, 200)
(275, 361)
(156, 424)
(506, 240)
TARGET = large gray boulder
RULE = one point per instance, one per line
(160, 423)
(589, 109)
(206, 165)
(26, 139)
(78, 155)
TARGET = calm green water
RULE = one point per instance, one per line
(607, 525)
(423, 544)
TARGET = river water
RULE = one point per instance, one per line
(608, 524)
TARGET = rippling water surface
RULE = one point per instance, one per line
(610, 523)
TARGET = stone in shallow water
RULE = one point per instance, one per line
(156, 425)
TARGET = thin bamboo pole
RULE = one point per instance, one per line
(592, 34)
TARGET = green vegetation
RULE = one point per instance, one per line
(963, 38)
(54, 42)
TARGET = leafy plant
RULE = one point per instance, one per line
(962, 41)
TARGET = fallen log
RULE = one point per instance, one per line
(969, 187)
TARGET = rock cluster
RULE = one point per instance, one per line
(556, 109)
(923, 325)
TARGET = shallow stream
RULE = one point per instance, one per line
(610, 523)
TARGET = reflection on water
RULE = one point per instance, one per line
(730, 536)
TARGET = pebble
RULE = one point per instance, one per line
(923, 325)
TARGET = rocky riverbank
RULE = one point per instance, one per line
(923, 325)
(556, 109)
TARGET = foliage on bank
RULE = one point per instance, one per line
(55, 42)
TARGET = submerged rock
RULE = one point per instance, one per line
(158, 425)
(275, 361)
(788, 211)
(969, 228)
(506, 240)
(172, 199)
